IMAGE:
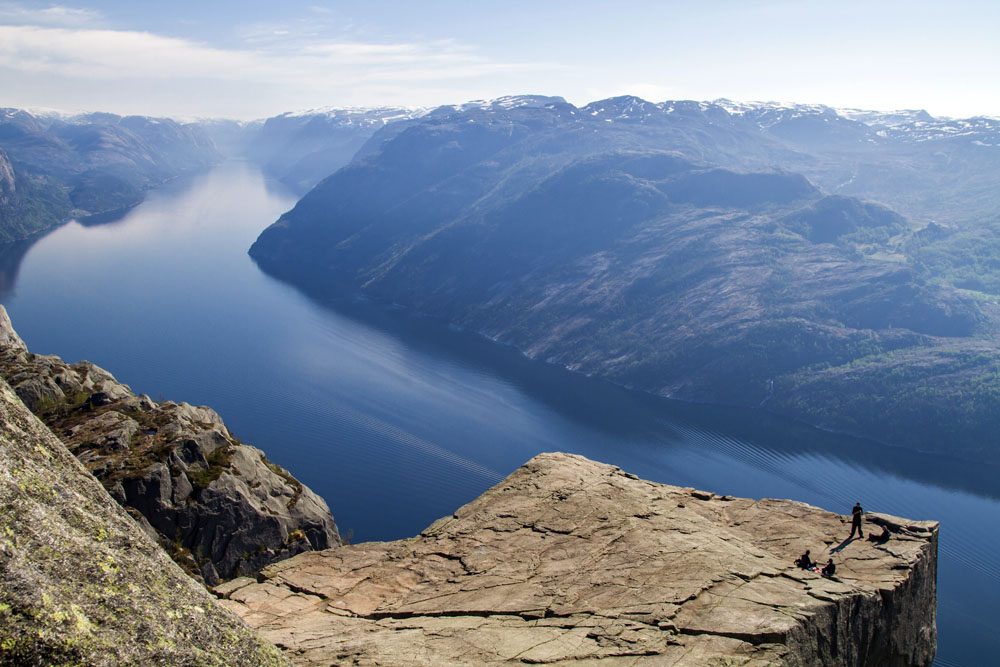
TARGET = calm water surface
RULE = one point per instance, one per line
(397, 419)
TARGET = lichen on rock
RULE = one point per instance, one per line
(80, 584)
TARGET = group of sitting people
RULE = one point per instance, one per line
(806, 563)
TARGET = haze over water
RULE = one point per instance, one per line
(396, 419)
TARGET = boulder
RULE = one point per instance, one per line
(108, 429)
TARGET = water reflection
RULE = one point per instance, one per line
(11, 256)
(619, 413)
(107, 217)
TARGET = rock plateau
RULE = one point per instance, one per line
(568, 561)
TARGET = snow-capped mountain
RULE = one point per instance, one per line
(907, 125)
(358, 116)
(507, 102)
(303, 147)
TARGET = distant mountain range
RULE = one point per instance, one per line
(53, 167)
(841, 267)
(301, 148)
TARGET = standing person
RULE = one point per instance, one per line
(856, 520)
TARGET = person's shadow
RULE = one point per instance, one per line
(843, 544)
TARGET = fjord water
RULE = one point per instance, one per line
(397, 419)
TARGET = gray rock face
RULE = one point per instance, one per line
(217, 505)
(81, 584)
(7, 184)
(8, 337)
(568, 561)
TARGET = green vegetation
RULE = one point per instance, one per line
(218, 461)
(937, 396)
(968, 260)
(34, 206)
(287, 476)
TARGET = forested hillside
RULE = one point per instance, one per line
(700, 251)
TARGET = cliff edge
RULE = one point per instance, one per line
(568, 561)
(218, 506)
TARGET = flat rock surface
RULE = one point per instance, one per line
(568, 560)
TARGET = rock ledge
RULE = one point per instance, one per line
(568, 560)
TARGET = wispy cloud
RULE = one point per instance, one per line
(273, 58)
(123, 54)
(54, 15)
(101, 54)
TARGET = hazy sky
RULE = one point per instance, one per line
(251, 59)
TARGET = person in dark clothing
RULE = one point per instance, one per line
(856, 520)
(804, 561)
(879, 539)
(829, 568)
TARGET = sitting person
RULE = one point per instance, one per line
(884, 537)
(829, 568)
(804, 561)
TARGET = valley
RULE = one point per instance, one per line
(342, 391)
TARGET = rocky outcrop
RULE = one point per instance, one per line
(571, 561)
(218, 506)
(7, 183)
(80, 584)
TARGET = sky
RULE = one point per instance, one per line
(252, 59)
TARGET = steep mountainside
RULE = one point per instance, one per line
(559, 230)
(568, 561)
(81, 584)
(52, 168)
(218, 506)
